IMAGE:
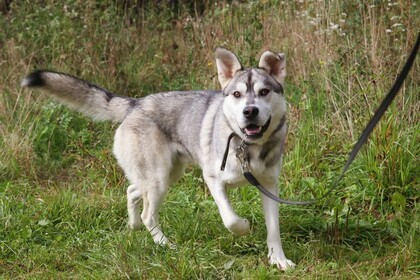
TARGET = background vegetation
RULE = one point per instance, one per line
(62, 196)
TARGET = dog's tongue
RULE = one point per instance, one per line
(252, 130)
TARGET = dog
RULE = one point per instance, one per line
(161, 133)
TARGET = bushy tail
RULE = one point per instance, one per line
(80, 95)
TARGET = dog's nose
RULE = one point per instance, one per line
(250, 112)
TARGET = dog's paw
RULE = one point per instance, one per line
(281, 263)
(134, 221)
(166, 243)
(171, 245)
(239, 226)
(134, 226)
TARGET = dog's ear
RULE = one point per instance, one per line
(274, 64)
(227, 65)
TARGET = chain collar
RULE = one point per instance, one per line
(243, 156)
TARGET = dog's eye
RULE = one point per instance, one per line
(237, 94)
(264, 92)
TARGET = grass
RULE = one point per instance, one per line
(62, 196)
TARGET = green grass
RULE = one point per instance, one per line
(62, 195)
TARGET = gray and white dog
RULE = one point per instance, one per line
(161, 133)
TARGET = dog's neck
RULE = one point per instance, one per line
(242, 149)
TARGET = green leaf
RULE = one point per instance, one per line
(43, 222)
(398, 201)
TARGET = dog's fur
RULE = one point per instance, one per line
(161, 133)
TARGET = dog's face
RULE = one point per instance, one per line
(254, 104)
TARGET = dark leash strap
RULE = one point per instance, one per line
(241, 149)
(242, 155)
(222, 168)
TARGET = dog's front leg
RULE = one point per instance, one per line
(271, 213)
(231, 220)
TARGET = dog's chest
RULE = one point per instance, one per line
(233, 174)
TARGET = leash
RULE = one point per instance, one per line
(242, 149)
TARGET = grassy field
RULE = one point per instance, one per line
(62, 195)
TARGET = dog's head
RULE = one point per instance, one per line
(254, 104)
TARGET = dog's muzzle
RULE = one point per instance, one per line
(253, 131)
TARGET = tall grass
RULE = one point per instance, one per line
(62, 208)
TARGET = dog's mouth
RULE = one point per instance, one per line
(253, 131)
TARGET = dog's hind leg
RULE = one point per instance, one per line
(147, 165)
(168, 172)
(134, 196)
(153, 197)
(152, 190)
